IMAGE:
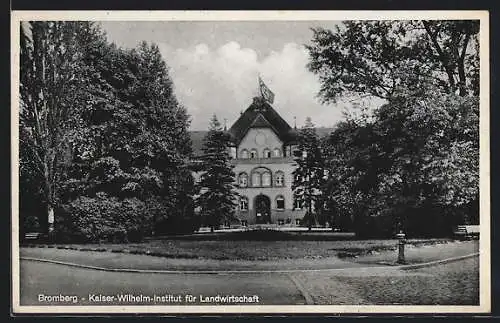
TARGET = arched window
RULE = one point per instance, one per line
(243, 180)
(255, 179)
(266, 178)
(277, 152)
(244, 203)
(267, 153)
(279, 178)
(261, 176)
(244, 154)
(280, 202)
(253, 154)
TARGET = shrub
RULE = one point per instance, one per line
(31, 223)
(103, 218)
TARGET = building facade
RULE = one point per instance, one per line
(263, 159)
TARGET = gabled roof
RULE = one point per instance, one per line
(261, 114)
(198, 135)
(260, 122)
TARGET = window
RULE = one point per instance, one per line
(243, 180)
(288, 221)
(266, 179)
(297, 204)
(244, 154)
(277, 152)
(244, 223)
(279, 178)
(261, 176)
(255, 179)
(253, 154)
(281, 222)
(267, 153)
(280, 203)
(244, 203)
(297, 221)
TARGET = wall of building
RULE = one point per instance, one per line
(260, 139)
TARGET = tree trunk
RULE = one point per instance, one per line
(50, 222)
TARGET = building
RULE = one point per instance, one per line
(263, 164)
(262, 155)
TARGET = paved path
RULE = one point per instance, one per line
(452, 283)
(124, 260)
(448, 284)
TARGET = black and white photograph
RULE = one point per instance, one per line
(250, 162)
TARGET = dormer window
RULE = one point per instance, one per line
(277, 152)
(253, 154)
(267, 153)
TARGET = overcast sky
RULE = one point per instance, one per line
(214, 66)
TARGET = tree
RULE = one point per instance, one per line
(381, 58)
(417, 161)
(134, 141)
(308, 176)
(430, 147)
(218, 197)
(52, 75)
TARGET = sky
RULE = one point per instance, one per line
(215, 65)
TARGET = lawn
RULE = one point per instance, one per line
(251, 249)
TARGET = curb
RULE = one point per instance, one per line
(215, 272)
(437, 262)
(170, 256)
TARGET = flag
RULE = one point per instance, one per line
(267, 94)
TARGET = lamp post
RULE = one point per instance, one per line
(401, 247)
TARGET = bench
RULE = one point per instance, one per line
(32, 236)
(466, 232)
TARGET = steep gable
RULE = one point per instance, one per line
(261, 114)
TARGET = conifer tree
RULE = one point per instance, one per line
(217, 198)
(308, 176)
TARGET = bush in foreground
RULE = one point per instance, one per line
(103, 218)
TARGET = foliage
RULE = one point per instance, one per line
(417, 160)
(52, 75)
(217, 192)
(309, 174)
(381, 58)
(106, 218)
(97, 119)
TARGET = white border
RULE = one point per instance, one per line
(484, 243)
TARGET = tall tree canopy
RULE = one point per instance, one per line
(100, 122)
(218, 196)
(52, 76)
(381, 58)
(415, 159)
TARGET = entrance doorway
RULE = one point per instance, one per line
(262, 209)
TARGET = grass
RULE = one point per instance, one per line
(243, 248)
